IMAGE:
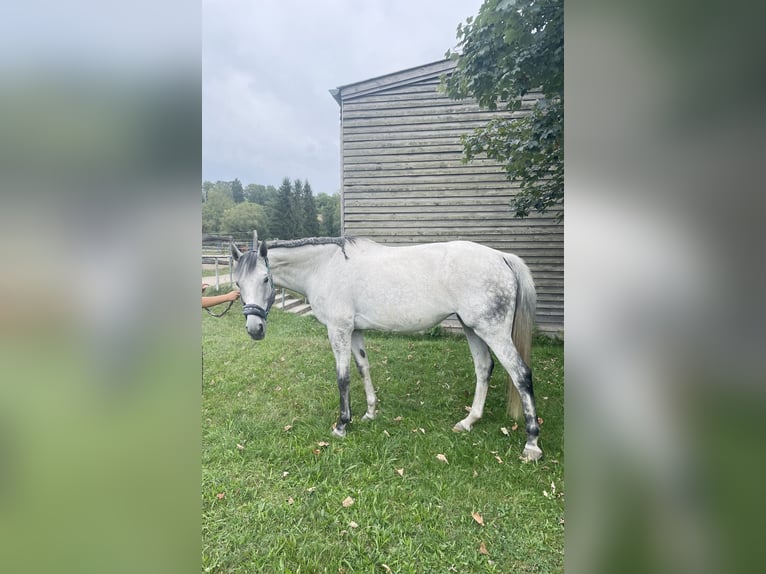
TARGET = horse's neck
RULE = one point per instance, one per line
(293, 267)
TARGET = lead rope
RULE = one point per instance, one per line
(222, 313)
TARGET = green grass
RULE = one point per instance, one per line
(272, 495)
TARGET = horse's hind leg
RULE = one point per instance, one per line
(483, 363)
(522, 379)
(363, 365)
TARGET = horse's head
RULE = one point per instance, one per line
(256, 287)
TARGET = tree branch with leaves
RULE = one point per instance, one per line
(510, 49)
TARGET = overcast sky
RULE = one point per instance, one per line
(268, 66)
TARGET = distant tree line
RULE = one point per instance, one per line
(288, 212)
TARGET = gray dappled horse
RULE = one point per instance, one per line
(356, 284)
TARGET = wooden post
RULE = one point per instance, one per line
(231, 260)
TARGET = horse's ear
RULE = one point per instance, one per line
(263, 249)
(235, 252)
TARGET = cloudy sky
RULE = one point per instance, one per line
(268, 66)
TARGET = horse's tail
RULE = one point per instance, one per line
(523, 324)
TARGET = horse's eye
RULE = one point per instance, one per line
(265, 279)
(237, 284)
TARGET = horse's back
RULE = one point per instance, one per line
(428, 264)
(415, 287)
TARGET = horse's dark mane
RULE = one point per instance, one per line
(289, 243)
(249, 258)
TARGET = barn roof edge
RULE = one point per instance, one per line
(379, 83)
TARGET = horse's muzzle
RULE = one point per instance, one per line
(255, 326)
(258, 333)
(255, 315)
(255, 320)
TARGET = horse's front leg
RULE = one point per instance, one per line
(340, 341)
(363, 365)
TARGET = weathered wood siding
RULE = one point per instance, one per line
(404, 181)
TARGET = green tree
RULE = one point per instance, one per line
(310, 222)
(237, 193)
(222, 186)
(268, 197)
(218, 201)
(206, 186)
(260, 194)
(283, 224)
(329, 214)
(298, 210)
(511, 48)
(243, 218)
(254, 193)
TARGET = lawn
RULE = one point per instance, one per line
(281, 494)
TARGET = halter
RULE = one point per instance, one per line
(257, 310)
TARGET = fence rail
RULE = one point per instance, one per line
(216, 252)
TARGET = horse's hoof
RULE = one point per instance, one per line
(461, 427)
(531, 453)
(339, 433)
(368, 417)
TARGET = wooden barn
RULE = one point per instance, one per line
(403, 180)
